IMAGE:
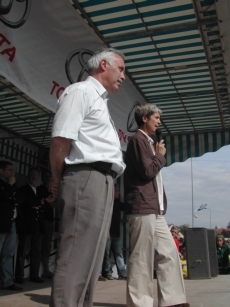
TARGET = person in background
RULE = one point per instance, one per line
(183, 262)
(181, 243)
(175, 233)
(114, 241)
(47, 213)
(223, 252)
(32, 231)
(101, 278)
(10, 200)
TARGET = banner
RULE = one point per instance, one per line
(44, 47)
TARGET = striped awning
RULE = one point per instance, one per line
(183, 146)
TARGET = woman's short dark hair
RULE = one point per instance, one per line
(145, 110)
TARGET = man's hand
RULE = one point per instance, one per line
(53, 188)
(59, 150)
(160, 148)
(12, 180)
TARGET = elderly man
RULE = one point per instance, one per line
(85, 157)
(145, 202)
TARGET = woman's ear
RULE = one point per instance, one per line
(144, 119)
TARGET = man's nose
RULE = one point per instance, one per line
(123, 75)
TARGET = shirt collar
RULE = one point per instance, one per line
(150, 140)
(98, 86)
(33, 188)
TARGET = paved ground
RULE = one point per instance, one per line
(213, 292)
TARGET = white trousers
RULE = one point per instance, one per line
(151, 238)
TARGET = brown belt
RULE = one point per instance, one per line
(104, 167)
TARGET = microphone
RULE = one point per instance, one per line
(159, 135)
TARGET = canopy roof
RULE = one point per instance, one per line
(177, 56)
(173, 54)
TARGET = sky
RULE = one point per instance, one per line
(211, 185)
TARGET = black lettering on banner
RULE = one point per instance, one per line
(81, 58)
(5, 9)
(131, 127)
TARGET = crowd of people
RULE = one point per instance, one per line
(222, 251)
(24, 211)
(85, 159)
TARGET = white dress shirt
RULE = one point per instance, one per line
(83, 117)
(33, 188)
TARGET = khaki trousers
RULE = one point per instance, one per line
(86, 203)
(151, 238)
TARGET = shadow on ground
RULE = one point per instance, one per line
(109, 305)
(39, 298)
(45, 299)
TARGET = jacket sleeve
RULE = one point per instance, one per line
(145, 163)
(7, 192)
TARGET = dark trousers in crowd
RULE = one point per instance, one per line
(46, 245)
(113, 245)
(34, 242)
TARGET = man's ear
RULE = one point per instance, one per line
(103, 64)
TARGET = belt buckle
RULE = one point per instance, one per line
(105, 168)
(113, 174)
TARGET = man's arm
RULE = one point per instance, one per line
(59, 150)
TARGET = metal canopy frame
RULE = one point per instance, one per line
(23, 117)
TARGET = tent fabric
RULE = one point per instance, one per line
(182, 147)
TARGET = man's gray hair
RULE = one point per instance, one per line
(145, 110)
(103, 54)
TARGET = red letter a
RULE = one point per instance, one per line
(10, 52)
